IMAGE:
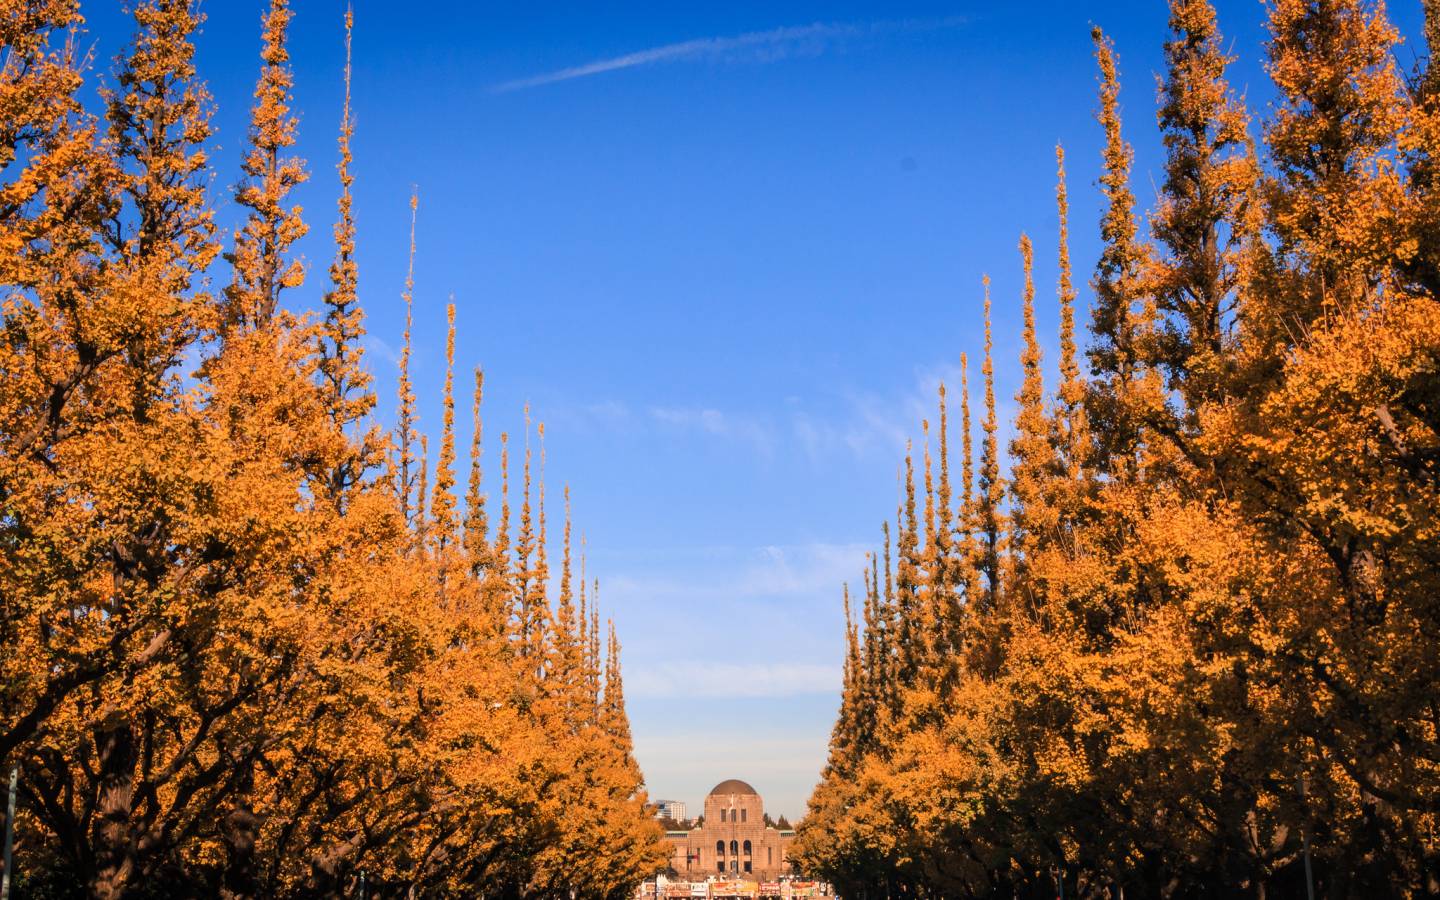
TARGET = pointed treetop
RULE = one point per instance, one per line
(928, 461)
(502, 532)
(1341, 109)
(259, 260)
(1431, 29)
(422, 519)
(597, 671)
(542, 568)
(476, 525)
(907, 575)
(1069, 423)
(1069, 368)
(1210, 179)
(944, 499)
(348, 397)
(566, 595)
(1030, 448)
(1123, 318)
(1114, 276)
(406, 424)
(615, 721)
(568, 672)
(992, 488)
(1033, 389)
(442, 503)
(967, 455)
(159, 127)
(527, 607)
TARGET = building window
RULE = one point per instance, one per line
(720, 866)
(747, 866)
(719, 848)
(734, 848)
(742, 815)
(769, 856)
(747, 848)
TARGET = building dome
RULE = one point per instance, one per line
(733, 786)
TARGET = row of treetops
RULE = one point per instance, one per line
(257, 645)
(1184, 644)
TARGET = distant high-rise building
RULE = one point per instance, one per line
(670, 809)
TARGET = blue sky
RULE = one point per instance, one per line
(726, 252)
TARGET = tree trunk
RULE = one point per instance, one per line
(239, 832)
(113, 835)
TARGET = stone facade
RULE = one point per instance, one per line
(734, 839)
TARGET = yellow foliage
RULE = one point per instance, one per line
(1208, 668)
(241, 661)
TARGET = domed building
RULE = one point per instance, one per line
(733, 840)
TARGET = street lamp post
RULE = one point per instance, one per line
(1305, 839)
(9, 833)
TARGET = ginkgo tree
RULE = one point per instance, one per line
(249, 653)
(1195, 641)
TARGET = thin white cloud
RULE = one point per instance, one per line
(758, 46)
(711, 421)
(809, 569)
(588, 418)
(715, 423)
(759, 573)
(377, 347)
(873, 425)
(700, 679)
(609, 410)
